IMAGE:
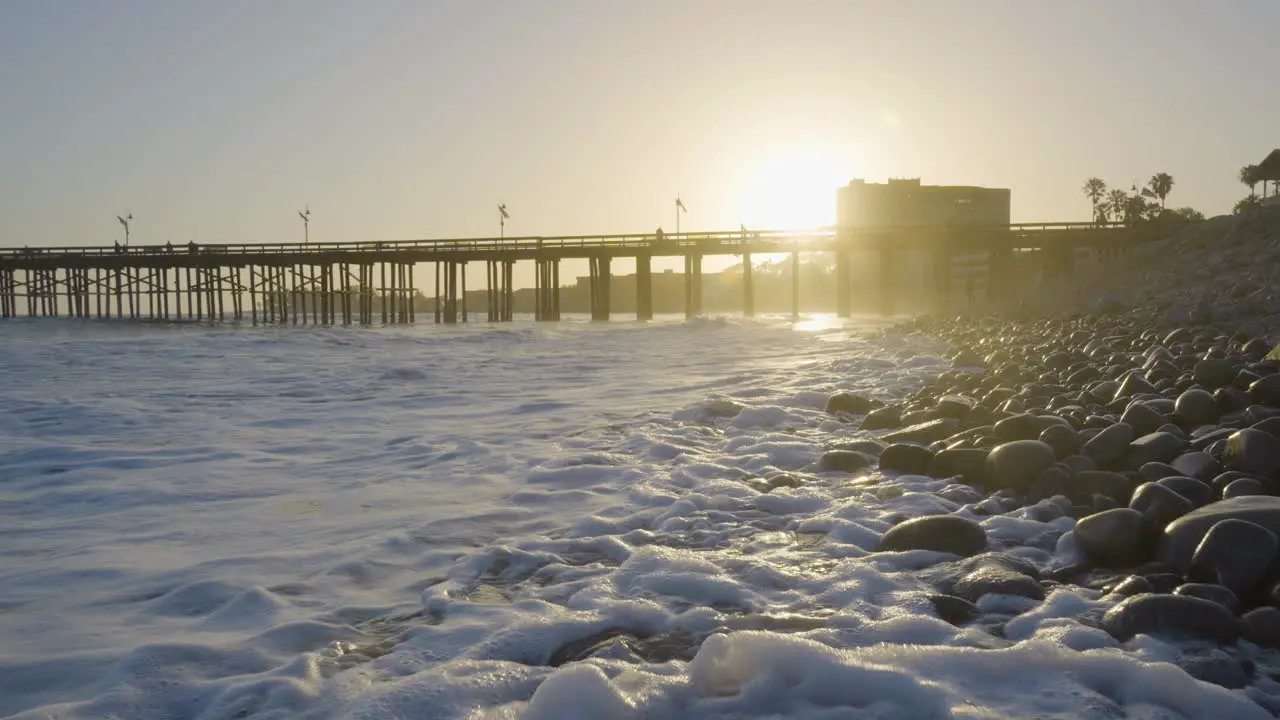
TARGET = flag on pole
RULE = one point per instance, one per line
(680, 205)
(123, 221)
(502, 209)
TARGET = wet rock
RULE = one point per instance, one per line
(1198, 465)
(1266, 390)
(1014, 465)
(1196, 407)
(1154, 447)
(1214, 666)
(923, 433)
(849, 461)
(1159, 505)
(1210, 591)
(1163, 582)
(968, 463)
(1173, 616)
(906, 458)
(1132, 585)
(1261, 626)
(1142, 418)
(844, 402)
(1108, 448)
(885, 418)
(1235, 554)
(1154, 471)
(1114, 485)
(995, 579)
(1199, 493)
(1113, 538)
(1242, 487)
(1252, 451)
(1183, 536)
(960, 494)
(1053, 480)
(954, 610)
(940, 533)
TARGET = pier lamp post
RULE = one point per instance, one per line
(679, 209)
(306, 224)
(503, 216)
(125, 222)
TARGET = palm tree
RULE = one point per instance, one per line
(1159, 187)
(1116, 204)
(1249, 176)
(1096, 191)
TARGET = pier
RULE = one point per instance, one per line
(367, 283)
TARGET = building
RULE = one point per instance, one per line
(899, 203)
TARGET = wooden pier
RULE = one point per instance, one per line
(367, 283)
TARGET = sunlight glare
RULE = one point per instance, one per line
(793, 188)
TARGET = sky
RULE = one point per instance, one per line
(216, 121)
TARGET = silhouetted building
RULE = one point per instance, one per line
(861, 204)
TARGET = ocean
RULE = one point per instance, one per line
(492, 521)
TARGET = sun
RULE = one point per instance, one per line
(793, 188)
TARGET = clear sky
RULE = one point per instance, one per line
(215, 121)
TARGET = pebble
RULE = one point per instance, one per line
(1113, 538)
(1014, 465)
(906, 458)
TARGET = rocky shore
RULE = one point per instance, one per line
(1161, 442)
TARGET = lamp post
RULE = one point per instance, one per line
(679, 209)
(306, 224)
(503, 216)
(125, 222)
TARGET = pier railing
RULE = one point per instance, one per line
(720, 240)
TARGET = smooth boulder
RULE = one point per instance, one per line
(1014, 465)
(1113, 538)
(940, 533)
(1183, 535)
(1177, 616)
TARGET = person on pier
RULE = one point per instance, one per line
(659, 236)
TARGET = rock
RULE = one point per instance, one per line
(1198, 465)
(968, 463)
(1101, 482)
(1183, 535)
(1213, 373)
(1135, 384)
(924, 433)
(1014, 465)
(1261, 626)
(1159, 505)
(941, 533)
(1064, 440)
(885, 418)
(1132, 585)
(1026, 426)
(1214, 666)
(954, 610)
(1254, 452)
(1108, 448)
(1178, 616)
(1154, 447)
(1196, 407)
(1242, 487)
(1142, 418)
(1210, 591)
(994, 579)
(844, 402)
(1199, 493)
(955, 406)
(1235, 554)
(906, 459)
(960, 494)
(849, 461)
(1266, 390)
(1113, 538)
